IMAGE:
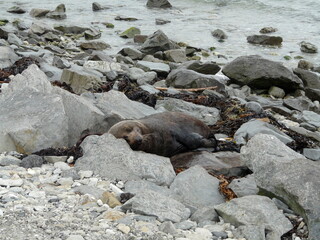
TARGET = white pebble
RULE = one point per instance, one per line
(70, 159)
(99, 203)
(1, 213)
(11, 182)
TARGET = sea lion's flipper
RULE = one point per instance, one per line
(195, 140)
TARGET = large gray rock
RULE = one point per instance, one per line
(31, 119)
(117, 107)
(253, 127)
(311, 118)
(258, 72)
(255, 210)
(196, 188)
(244, 186)
(113, 159)
(71, 29)
(265, 40)
(81, 79)
(7, 57)
(209, 67)
(94, 45)
(38, 12)
(208, 115)
(176, 55)
(40, 28)
(276, 168)
(185, 78)
(103, 66)
(265, 102)
(311, 81)
(158, 41)
(299, 103)
(154, 204)
(158, 4)
(226, 163)
(147, 66)
(136, 187)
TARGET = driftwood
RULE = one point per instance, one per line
(187, 89)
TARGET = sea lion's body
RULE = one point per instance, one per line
(164, 134)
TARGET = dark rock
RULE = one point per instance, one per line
(226, 163)
(96, 7)
(244, 186)
(70, 29)
(308, 47)
(268, 30)
(38, 12)
(260, 73)
(94, 45)
(4, 33)
(158, 4)
(124, 18)
(32, 161)
(304, 64)
(310, 79)
(162, 21)
(158, 41)
(265, 40)
(140, 38)
(209, 67)
(58, 13)
(219, 34)
(92, 34)
(16, 9)
(299, 103)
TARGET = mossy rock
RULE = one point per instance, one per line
(287, 58)
(109, 25)
(130, 33)
(205, 54)
(3, 22)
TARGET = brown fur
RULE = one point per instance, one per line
(165, 134)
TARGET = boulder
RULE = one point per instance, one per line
(265, 40)
(299, 103)
(311, 81)
(209, 67)
(58, 13)
(253, 127)
(102, 153)
(184, 78)
(158, 41)
(276, 168)
(157, 67)
(81, 79)
(151, 203)
(308, 47)
(134, 54)
(257, 72)
(130, 32)
(244, 186)
(94, 45)
(176, 55)
(97, 7)
(202, 189)
(92, 33)
(258, 211)
(138, 186)
(226, 163)
(40, 28)
(219, 34)
(38, 12)
(70, 29)
(141, 76)
(208, 115)
(313, 154)
(276, 92)
(158, 4)
(16, 9)
(103, 66)
(7, 57)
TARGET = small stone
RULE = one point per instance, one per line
(276, 92)
(219, 34)
(123, 228)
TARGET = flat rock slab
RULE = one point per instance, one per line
(155, 204)
(113, 158)
(257, 72)
(196, 188)
(280, 171)
(226, 163)
(209, 115)
(255, 210)
(251, 128)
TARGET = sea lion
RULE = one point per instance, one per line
(165, 134)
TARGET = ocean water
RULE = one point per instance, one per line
(193, 20)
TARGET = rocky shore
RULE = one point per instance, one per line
(63, 177)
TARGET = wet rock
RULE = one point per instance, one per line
(184, 78)
(276, 92)
(38, 12)
(158, 4)
(81, 79)
(313, 154)
(158, 41)
(160, 68)
(40, 28)
(201, 190)
(125, 18)
(219, 34)
(136, 187)
(134, 54)
(299, 103)
(58, 13)
(7, 57)
(130, 32)
(304, 64)
(265, 40)
(209, 67)
(118, 107)
(259, 210)
(308, 47)
(13, 39)
(140, 38)
(4, 33)
(92, 34)
(16, 9)
(311, 81)
(208, 115)
(97, 7)
(226, 163)
(32, 161)
(253, 127)
(70, 29)
(244, 186)
(94, 45)
(176, 55)
(268, 30)
(100, 154)
(257, 72)
(274, 171)
(155, 204)
(162, 21)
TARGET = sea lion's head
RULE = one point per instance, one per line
(129, 130)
